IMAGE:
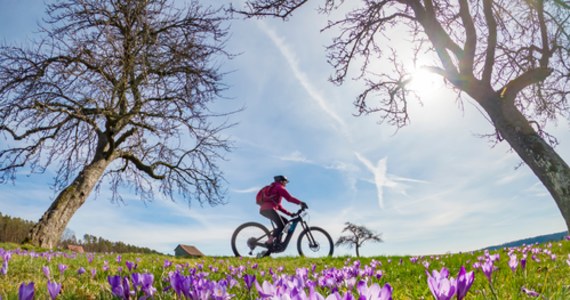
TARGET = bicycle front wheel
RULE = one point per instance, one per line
(315, 242)
(248, 240)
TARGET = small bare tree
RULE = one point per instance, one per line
(358, 235)
(116, 90)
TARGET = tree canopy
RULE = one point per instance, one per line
(510, 58)
(117, 92)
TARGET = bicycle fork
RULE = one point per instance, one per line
(312, 242)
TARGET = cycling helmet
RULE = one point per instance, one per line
(280, 178)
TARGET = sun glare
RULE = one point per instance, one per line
(424, 83)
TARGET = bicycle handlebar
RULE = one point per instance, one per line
(298, 213)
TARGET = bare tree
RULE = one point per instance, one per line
(116, 93)
(358, 235)
(509, 56)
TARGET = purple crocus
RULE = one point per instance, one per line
(5, 258)
(180, 283)
(374, 292)
(464, 282)
(116, 286)
(120, 287)
(442, 287)
(266, 289)
(167, 263)
(53, 289)
(487, 268)
(513, 262)
(249, 279)
(26, 291)
(530, 293)
(144, 282)
(147, 287)
(62, 268)
(46, 271)
(130, 265)
(523, 262)
(80, 271)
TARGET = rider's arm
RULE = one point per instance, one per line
(283, 210)
(285, 194)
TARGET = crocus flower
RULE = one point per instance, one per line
(464, 282)
(442, 287)
(266, 289)
(487, 268)
(62, 268)
(374, 292)
(53, 289)
(46, 271)
(130, 265)
(530, 292)
(26, 291)
(116, 286)
(5, 258)
(147, 281)
(81, 270)
(167, 263)
(513, 262)
(120, 287)
(4, 269)
(249, 279)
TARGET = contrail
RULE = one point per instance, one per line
(299, 74)
(380, 178)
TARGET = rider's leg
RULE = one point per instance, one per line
(277, 219)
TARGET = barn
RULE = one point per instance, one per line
(187, 251)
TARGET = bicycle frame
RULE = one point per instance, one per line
(281, 246)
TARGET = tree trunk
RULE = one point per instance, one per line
(47, 232)
(546, 164)
(357, 250)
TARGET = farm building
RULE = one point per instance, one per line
(75, 248)
(187, 251)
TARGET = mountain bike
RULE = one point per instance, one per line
(250, 239)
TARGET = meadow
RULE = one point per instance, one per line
(538, 271)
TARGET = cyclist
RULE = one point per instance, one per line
(272, 204)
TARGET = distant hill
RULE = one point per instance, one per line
(533, 240)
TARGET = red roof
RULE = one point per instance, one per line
(190, 250)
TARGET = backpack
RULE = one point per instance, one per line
(264, 195)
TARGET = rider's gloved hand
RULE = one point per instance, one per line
(304, 205)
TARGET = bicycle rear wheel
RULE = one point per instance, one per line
(248, 240)
(315, 242)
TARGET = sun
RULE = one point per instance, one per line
(424, 82)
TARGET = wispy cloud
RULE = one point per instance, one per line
(301, 76)
(382, 180)
(379, 173)
(247, 190)
(296, 156)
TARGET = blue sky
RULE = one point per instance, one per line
(432, 187)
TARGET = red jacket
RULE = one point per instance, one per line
(276, 193)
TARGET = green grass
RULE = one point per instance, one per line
(544, 274)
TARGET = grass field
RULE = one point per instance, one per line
(534, 271)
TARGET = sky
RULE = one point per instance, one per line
(432, 187)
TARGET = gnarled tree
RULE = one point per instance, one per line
(509, 56)
(116, 92)
(357, 237)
